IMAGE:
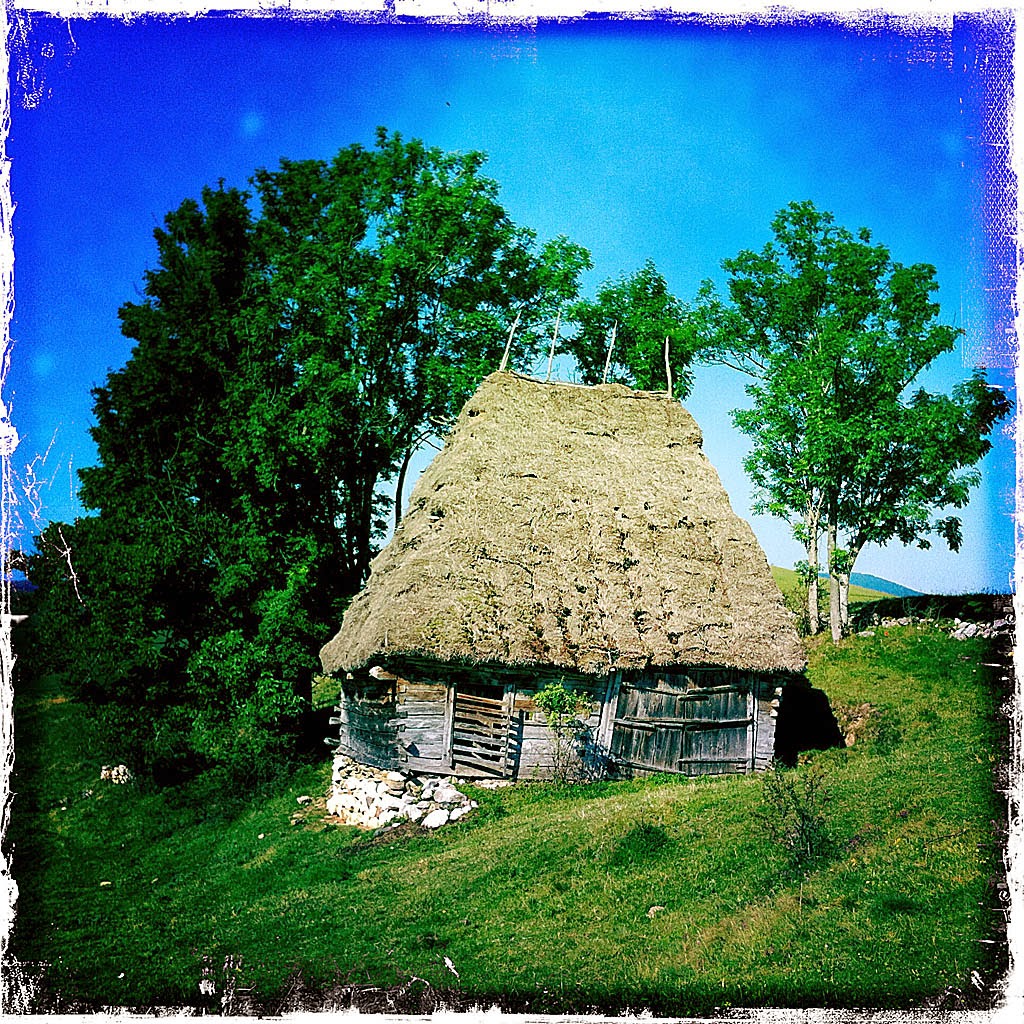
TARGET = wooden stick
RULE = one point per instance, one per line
(508, 344)
(554, 336)
(608, 358)
(668, 369)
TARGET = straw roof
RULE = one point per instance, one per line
(576, 527)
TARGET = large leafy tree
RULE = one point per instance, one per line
(292, 347)
(397, 279)
(833, 334)
(635, 331)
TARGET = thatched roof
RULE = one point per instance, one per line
(577, 527)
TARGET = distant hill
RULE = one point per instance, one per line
(866, 580)
(859, 592)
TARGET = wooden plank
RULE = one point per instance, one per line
(708, 760)
(481, 764)
(480, 705)
(678, 771)
(482, 726)
(472, 720)
(431, 714)
(418, 691)
(462, 741)
(684, 723)
(470, 740)
(420, 763)
(446, 737)
(751, 730)
(683, 689)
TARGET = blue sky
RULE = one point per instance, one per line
(671, 141)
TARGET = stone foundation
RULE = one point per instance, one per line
(370, 797)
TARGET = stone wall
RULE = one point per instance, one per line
(371, 797)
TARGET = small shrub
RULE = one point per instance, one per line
(563, 710)
(793, 810)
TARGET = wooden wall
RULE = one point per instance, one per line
(482, 721)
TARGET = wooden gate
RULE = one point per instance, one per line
(679, 723)
(480, 728)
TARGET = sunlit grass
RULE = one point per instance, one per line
(788, 582)
(663, 892)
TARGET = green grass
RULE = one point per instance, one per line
(788, 582)
(543, 898)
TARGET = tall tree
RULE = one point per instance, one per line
(397, 278)
(635, 331)
(289, 355)
(834, 333)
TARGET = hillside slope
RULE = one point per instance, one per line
(788, 583)
(663, 893)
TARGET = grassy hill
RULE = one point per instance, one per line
(664, 893)
(788, 583)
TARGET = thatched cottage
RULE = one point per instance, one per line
(573, 534)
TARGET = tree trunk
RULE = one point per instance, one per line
(359, 527)
(844, 588)
(813, 618)
(834, 613)
(400, 485)
(844, 602)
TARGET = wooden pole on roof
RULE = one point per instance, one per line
(554, 336)
(508, 344)
(608, 358)
(668, 368)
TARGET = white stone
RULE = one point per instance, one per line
(436, 818)
(446, 794)
(390, 803)
(458, 812)
(395, 777)
(414, 813)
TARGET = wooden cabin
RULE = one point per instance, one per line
(577, 535)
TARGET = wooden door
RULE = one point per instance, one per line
(670, 723)
(480, 728)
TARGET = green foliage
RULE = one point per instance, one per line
(560, 704)
(563, 710)
(797, 594)
(643, 314)
(540, 883)
(833, 334)
(292, 348)
(793, 809)
(841, 563)
(804, 572)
